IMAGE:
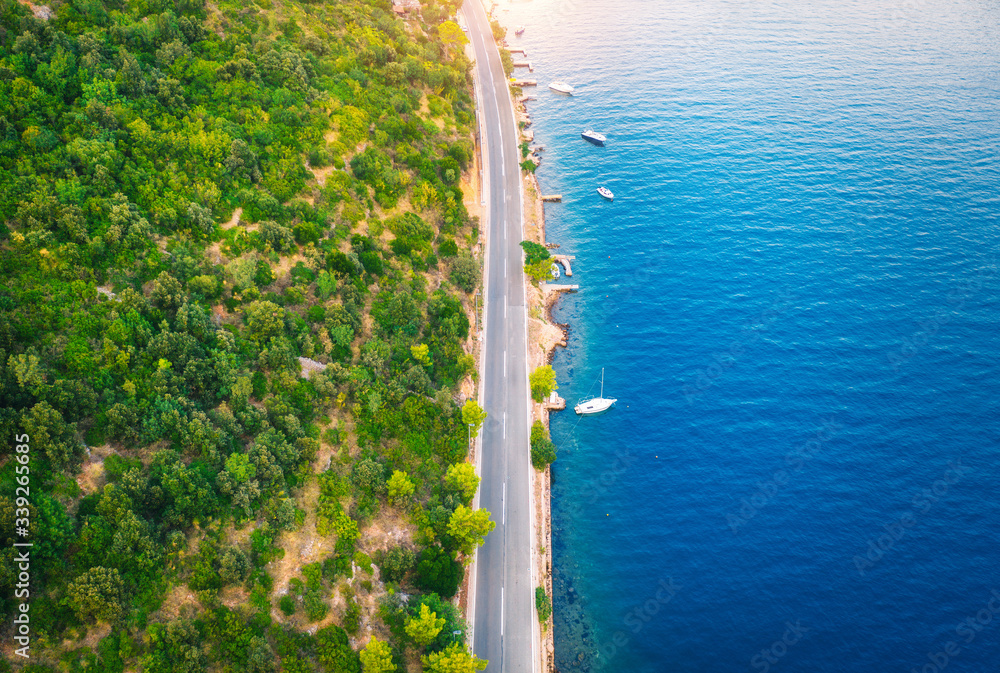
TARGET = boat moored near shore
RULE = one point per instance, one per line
(592, 136)
(595, 405)
(561, 87)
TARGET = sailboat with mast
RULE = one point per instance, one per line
(595, 405)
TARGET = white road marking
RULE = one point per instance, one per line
(504, 501)
(505, 433)
(505, 364)
(501, 612)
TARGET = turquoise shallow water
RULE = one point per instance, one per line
(794, 295)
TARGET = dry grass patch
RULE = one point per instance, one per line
(180, 603)
(92, 477)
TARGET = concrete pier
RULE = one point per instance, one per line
(555, 287)
(525, 82)
(554, 403)
(554, 198)
(565, 261)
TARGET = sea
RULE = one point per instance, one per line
(794, 299)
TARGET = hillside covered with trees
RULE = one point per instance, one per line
(236, 305)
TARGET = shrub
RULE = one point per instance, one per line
(438, 571)
(394, 563)
(543, 604)
(352, 616)
(448, 248)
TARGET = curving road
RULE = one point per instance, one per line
(501, 610)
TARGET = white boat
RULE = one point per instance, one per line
(520, 31)
(555, 271)
(561, 87)
(606, 193)
(595, 405)
(592, 136)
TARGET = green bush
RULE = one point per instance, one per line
(438, 571)
(534, 252)
(352, 616)
(543, 605)
(465, 272)
(394, 563)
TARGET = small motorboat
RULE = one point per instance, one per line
(606, 193)
(561, 87)
(592, 136)
(519, 31)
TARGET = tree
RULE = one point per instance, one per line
(167, 292)
(507, 61)
(346, 527)
(462, 478)
(473, 415)
(499, 32)
(26, 369)
(326, 284)
(369, 477)
(424, 628)
(543, 451)
(420, 353)
(234, 566)
(465, 272)
(174, 648)
(543, 382)
(97, 595)
(452, 35)
(51, 435)
(454, 659)
(333, 650)
(265, 320)
(400, 487)
(540, 270)
(534, 252)
(469, 528)
(377, 657)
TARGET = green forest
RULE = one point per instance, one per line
(237, 283)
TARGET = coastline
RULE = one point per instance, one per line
(544, 336)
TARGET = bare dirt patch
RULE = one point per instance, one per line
(321, 174)
(43, 12)
(234, 220)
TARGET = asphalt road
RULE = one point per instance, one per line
(502, 614)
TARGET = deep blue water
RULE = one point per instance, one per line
(795, 297)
